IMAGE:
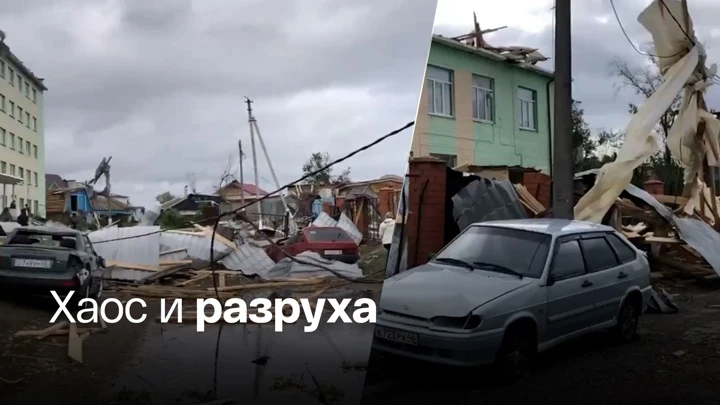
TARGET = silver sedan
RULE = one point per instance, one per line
(503, 291)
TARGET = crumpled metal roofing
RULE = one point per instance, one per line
(486, 200)
(345, 223)
(139, 244)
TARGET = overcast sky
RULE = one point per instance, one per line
(159, 84)
(597, 40)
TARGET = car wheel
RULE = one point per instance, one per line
(515, 354)
(627, 323)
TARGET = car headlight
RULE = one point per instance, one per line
(462, 323)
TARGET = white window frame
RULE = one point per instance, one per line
(487, 95)
(528, 106)
(447, 107)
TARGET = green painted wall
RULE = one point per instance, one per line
(501, 142)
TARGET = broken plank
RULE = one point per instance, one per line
(163, 273)
(133, 266)
(41, 333)
(75, 351)
(174, 262)
(259, 286)
(660, 239)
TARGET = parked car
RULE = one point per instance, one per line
(331, 243)
(40, 259)
(502, 291)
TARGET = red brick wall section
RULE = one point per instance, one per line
(654, 187)
(540, 186)
(431, 235)
(385, 200)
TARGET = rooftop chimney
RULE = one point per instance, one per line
(185, 192)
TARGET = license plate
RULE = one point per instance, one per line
(33, 263)
(396, 336)
(333, 252)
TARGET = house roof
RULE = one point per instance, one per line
(248, 188)
(7, 53)
(100, 203)
(488, 54)
(56, 179)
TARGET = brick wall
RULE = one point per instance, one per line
(540, 186)
(387, 200)
(430, 227)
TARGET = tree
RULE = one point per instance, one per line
(317, 161)
(582, 141)
(171, 219)
(644, 81)
(164, 197)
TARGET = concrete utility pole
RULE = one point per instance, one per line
(251, 120)
(563, 198)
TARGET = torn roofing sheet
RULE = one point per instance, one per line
(347, 225)
(681, 72)
(287, 268)
(136, 245)
(324, 220)
(197, 246)
(485, 200)
(249, 259)
(696, 233)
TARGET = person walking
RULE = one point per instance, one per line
(387, 228)
(22, 219)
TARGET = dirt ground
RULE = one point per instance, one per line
(676, 359)
(30, 368)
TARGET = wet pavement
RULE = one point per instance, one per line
(176, 364)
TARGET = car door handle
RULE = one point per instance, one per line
(622, 275)
(586, 283)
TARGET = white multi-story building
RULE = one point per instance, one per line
(22, 140)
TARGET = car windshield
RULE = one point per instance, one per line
(328, 235)
(502, 250)
(42, 239)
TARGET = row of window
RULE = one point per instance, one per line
(440, 83)
(22, 173)
(16, 79)
(15, 111)
(16, 143)
(34, 204)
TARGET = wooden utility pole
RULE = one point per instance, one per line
(563, 198)
(251, 120)
(242, 181)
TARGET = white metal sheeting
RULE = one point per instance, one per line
(197, 246)
(249, 259)
(679, 72)
(345, 223)
(287, 268)
(136, 245)
(324, 220)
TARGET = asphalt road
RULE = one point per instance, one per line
(675, 360)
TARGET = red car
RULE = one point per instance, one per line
(331, 243)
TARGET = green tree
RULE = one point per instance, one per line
(172, 219)
(317, 161)
(164, 197)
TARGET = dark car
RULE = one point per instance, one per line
(40, 260)
(331, 243)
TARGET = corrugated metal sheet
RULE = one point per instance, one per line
(142, 246)
(249, 259)
(347, 225)
(324, 220)
(486, 200)
(397, 256)
(198, 246)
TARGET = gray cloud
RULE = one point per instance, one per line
(159, 84)
(597, 44)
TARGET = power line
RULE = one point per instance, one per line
(617, 17)
(329, 165)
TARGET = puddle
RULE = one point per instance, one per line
(175, 364)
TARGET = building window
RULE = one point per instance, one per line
(35, 207)
(19, 80)
(27, 119)
(34, 124)
(19, 114)
(34, 99)
(12, 141)
(11, 72)
(21, 173)
(12, 170)
(12, 110)
(35, 151)
(20, 145)
(2, 102)
(2, 68)
(35, 175)
(440, 90)
(22, 203)
(2, 136)
(528, 108)
(27, 147)
(27, 90)
(450, 160)
(3, 167)
(29, 179)
(483, 98)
